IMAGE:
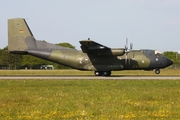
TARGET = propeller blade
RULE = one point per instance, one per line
(126, 43)
(125, 48)
(131, 46)
(127, 60)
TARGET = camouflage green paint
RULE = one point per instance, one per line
(17, 32)
(94, 56)
(71, 58)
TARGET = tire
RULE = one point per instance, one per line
(157, 71)
(106, 73)
(98, 73)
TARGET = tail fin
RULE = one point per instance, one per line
(20, 37)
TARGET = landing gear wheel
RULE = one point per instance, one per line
(102, 73)
(157, 71)
(98, 73)
(106, 73)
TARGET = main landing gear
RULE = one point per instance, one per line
(102, 73)
(157, 71)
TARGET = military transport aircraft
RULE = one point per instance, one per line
(93, 57)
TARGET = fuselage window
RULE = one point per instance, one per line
(157, 53)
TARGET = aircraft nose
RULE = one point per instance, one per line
(169, 62)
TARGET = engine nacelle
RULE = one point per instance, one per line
(117, 51)
(111, 52)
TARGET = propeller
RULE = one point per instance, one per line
(127, 51)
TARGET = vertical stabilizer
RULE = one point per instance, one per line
(20, 37)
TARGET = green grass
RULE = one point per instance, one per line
(89, 99)
(77, 72)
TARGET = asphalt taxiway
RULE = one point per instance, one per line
(92, 77)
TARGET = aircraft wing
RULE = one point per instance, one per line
(91, 47)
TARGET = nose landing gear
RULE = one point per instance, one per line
(157, 71)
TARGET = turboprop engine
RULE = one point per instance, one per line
(117, 51)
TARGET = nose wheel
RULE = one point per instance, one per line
(102, 73)
(157, 71)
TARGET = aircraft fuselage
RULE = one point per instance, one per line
(136, 60)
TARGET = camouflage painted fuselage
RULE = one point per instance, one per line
(93, 57)
(137, 60)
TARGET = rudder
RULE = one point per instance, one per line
(20, 37)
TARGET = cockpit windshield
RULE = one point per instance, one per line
(157, 53)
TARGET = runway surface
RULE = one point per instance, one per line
(92, 77)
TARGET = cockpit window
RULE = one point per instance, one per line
(157, 53)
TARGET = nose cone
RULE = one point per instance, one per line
(169, 62)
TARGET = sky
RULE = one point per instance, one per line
(148, 24)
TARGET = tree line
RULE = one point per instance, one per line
(15, 61)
